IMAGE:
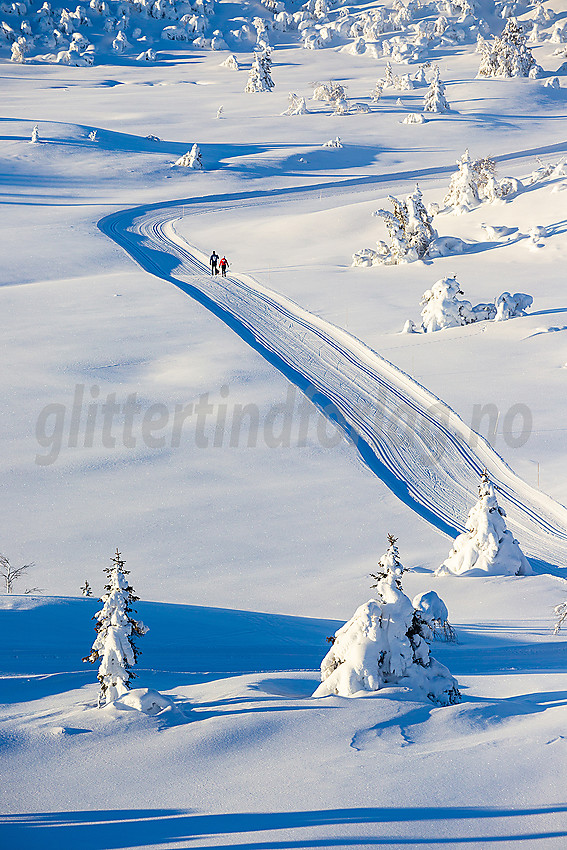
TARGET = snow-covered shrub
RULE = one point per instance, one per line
(120, 43)
(296, 105)
(410, 228)
(441, 307)
(191, 159)
(435, 100)
(259, 77)
(116, 629)
(333, 143)
(414, 118)
(487, 547)
(218, 42)
(512, 306)
(384, 645)
(329, 92)
(508, 55)
(509, 187)
(561, 613)
(231, 62)
(35, 135)
(434, 615)
(147, 56)
(19, 50)
(446, 246)
(174, 33)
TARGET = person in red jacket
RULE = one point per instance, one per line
(223, 265)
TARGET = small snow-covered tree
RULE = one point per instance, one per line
(86, 589)
(116, 630)
(259, 77)
(434, 616)
(561, 613)
(191, 159)
(512, 306)
(441, 307)
(296, 105)
(463, 191)
(487, 547)
(389, 564)
(35, 135)
(435, 100)
(508, 55)
(410, 228)
(383, 645)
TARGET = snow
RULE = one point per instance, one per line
(255, 549)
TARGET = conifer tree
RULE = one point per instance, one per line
(487, 547)
(86, 589)
(259, 77)
(116, 632)
(385, 644)
(508, 55)
(434, 100)
(463, 190)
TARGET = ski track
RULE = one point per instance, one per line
(414, 442)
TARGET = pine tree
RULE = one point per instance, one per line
(410, 228)
(116, 630)
(463, 190)
(389, 564)
(385, 644)
(487, 547)
(86, 589)
(441, 307)
(434, 100)
(259, 77)
(508, 55)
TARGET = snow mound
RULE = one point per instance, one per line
(145, 700)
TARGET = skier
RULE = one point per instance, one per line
(223, 266)
(213, 262)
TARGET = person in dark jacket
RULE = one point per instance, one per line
(213, 262)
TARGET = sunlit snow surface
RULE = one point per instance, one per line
(291, 520)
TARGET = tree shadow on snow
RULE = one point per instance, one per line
(447, 826)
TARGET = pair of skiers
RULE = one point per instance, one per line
(216, 264)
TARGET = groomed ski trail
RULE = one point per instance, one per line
(413, 441)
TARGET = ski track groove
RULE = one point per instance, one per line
(433, 459)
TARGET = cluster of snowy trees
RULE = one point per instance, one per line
(442, 308)
(411, 233)
(386, 641)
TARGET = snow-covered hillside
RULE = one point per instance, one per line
(248, 443)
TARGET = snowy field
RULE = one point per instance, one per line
(249, 444)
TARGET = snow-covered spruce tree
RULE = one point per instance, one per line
(389, 564)
(441, 307)
(259, 77)
(409, 227)
(384, 645)
(86, 589)
(463, 192)
(487, 547)
(116, 632)
(191, 159)
(435, 100)
(508, 55)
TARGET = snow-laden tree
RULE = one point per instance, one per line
(508, 55)
(296, 105)
(463, 189)
(116, 630)
(512, 306)
(435, 100)
(191, 159)
(441, 307)
(409, 227)
(86, 589)
(389, 564)
(487, 547)
(434, 615)
(35, 135)
(259, 77)
(383, 645)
